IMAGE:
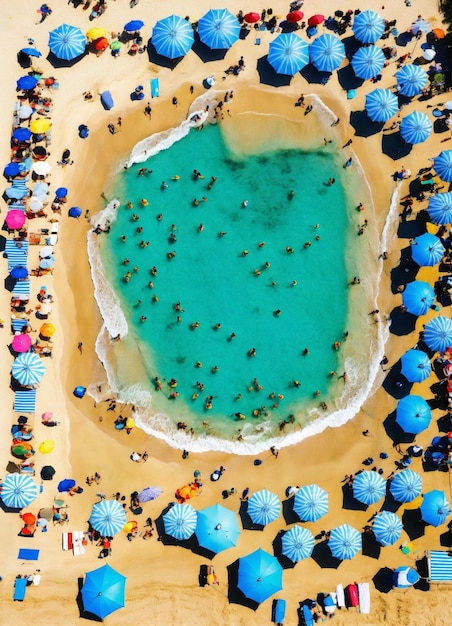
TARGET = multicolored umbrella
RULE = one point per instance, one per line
(28, 369)
(369, 487)
(67, 42)
(416, 366)
(418, 297)
(218, 29)
(344, 542)
(411, 80)
(311, 503)
(297, 543)
(368, 62)
(387, 528)
(440, 208)
(442, 165)
(438, 333)
(103, 591)
(404, 577)
(180, 521)
(288, 54)
(427, 250)
(435, 508)
(172, 37)
(326, 52)
(108, 517)
(263, 507)
(18, 490)
(217, 528)
(413, 414)
(368, 26)
(259, 576)
(416, 127)
(406, 486)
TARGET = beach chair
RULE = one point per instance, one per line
(364, 598)
(155, 88)
(20, 588)
(279, 611)
(257, 41)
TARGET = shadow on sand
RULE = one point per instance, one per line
(268, 76)
(363, 125)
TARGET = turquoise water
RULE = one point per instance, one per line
(215, 282)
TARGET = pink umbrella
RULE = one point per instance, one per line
(15, 219)
(21, 343)
(47, 416)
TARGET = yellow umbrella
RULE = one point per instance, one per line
(95, 33)
(40, 125)
(47, 330)
(129, 527)
(46, 446)
(130, 422)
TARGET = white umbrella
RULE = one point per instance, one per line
(25, 112)
(45, 251)
(35, 204)
(42, 168)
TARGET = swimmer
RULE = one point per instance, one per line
(277, 312)
(240, 416)
(143, 318)
(252, 352)
(194, 396)
(125, 262)
(123, 238)
(178, 307)
(164, 185)
(151, 285)
(305, 352)
(129, 205)
(317, 393)
(261, 244)
(135, 217)
(296, 383)
(266, 264)
(237, 397)
(171, 255)
(154, 271)
(317, 237)
(172, 237)
(307, 244)
(155, 298)
(197, 174)
(222, 233)
(360, 207)
(139, 229)
(195, 202)
(336, 345)
(212, 182)
(231, 337)
(157, 384)
(257, 272)
(330, 182)
(245, 252)
(294, 283)
(245, 203)
(175, 177)
(198, 364)
(204, 199)
(200, 228)
(214, 369)
(291, 194)
(135, 269)
(127, 277)
(289, 250)
(159, 217)
(355, 281)
(144, 202)
(194, 325)
(217, 326)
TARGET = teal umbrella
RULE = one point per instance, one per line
(427, 250)
(326, 52)
(442, 164)
(217, 528)
(435, 508)
(416, 366)
(368, 62)
(440, 208)
(344, 542)
(311, 503)
(263, 507)
(28, 369)
(411, 80)
(406, 486)
(413, 414)
(418, 297)
(260, 575)
(387, 528)
(438, 333)
(108, 517)
(172, 37)
(103, 591)
(180, 521)
(416, 127)
(368, 26)
(18, 490)
(369, 487)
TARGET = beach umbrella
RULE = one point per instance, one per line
(326, 52)
(40, 125)
(40, 189)
(79, 391)
(421, 26)
(34, 204)
(108, 517)
(25, 111)
(344, 542)
(28, 519)
(259, 576)
(47, 472)
(46, 447)
(427, 250)
(96, 33)
(435, 508)
(18, 490)
(416, 127)
(294, 16)
(387, 528)
(418, 297)
(25, 83)
(149, 493)
(288, 54)
(45, 252)
(297, 543)
(440, 208)
(429, 54)
(19, 272)
(404, 577)
(442, 165)
(28, 369)
(22, 134)
(369, 487)
(315, 20)
(66, 484)
(15, 219)
(11, 170)
(217, 528)
(61, 192)
(263, 507)
(31, 52)
(368, 26)
(251, 18)
(21, 342)
(218, 29)
(406, 486)
(101, 44)
(180, 521)
(310, 503)
(22, 450)
(411, 80)
(103, 591)
(438, 333)
(67, 42)
(133, 26)
(368, 62)
(172, 37)
(42, 168)
(116, 45)
(416, 366)
(413, 414)
(47, 330)
(15, 193)
(75, 211)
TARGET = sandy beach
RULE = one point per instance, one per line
(163, 580)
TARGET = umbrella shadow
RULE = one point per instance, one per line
(323, 557)
(289, 515)
(24, 60)
(247, 522)
(348, 79)
(395, 432)
(413, 524)
(445, 539)
(268, 75)
(410, 229)
(161, 60)
(79, 600)
(235, 596)
(370, 546)
(402, 322)
(363, 125)
(395, 384)
(10, 283)
(405, 272)
(60, 63)
(440, 126)
(350, 502)
(422, 568)
(313, 76)
(284, 561)
(390, 504)
(8, 509)
(394, 146)
(205, 53)
(383, 580)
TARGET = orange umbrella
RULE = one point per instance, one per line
(29, 519)
(101, 44)
(439, 33)
(47, 330)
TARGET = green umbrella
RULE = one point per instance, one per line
(116, 45)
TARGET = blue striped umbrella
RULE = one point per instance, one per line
(438, 333)
(263, 507)
(259, 575)
(327, 52)
(180, 521)
(217, 528)
(404, 577)
(368, 62)
(344, 542)
(416, 127)
(28, 369)
(411, 80)
(442, 165)
(435, 508)
(387, 528)
(368, 26)
(172, 37)
(440, 208)
(107, 517)
(297, 543)
(18, 490)
(369, 487)
(310, 503)
(67, 42)
(413, 414)
(218, 29)
(418, 297)
(427, 250)
(416, 366)
(288, 54)
(406, 486)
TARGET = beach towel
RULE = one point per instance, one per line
(20, 588)
(18, 324)
(22, 287)
(25, 401)
(155, 88)
(28, 554)
(439, 566)
(364, 598)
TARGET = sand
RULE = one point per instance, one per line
(162, 581)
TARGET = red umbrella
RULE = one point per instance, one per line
(101, 43)
(315, 20)
(15, 219)
(21, 343)
(251, 18)
(294, 16)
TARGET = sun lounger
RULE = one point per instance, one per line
(155, 88)
(340, 596)
(25, 401)
(364, 598)
(279, 612)
(306, 616)
(20, 587)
